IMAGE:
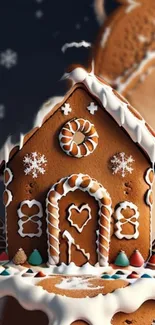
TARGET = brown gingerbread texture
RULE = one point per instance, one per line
(78, 190)
(124, 54)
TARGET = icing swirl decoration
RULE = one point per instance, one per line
(68, 133)
(96, 190)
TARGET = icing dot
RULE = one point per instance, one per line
(78, 75)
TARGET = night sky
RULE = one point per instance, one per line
(32, 33)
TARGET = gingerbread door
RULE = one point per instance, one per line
(78, 221)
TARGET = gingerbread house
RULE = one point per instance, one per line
(78, 187)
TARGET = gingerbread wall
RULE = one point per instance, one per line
(131, 188)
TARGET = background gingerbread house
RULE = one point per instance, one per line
(79, 186)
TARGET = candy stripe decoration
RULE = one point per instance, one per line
(96, 190)
(66, 138)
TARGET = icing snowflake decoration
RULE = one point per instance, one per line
(122, 164)
(8, 58)
(66, 109)
(35, 164)
(92, 108)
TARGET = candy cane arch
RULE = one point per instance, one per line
(96, 190)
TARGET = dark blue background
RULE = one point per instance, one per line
(41, 63)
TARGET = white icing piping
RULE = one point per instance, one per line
(121, 86)
(71, 242)
(132, 5)
(149, 191)
(105, 37)
(75, 44)
(119, 223)
(118, 109)
(22, 221)
(94, 189)
(10, 197)
(63, 310)
(79, 210)
(100, 11)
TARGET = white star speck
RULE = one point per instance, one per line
(77, 26)
(92, 108)
(39, 14)
(8, 58)
(66, 109)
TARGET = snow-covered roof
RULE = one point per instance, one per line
(121, 111)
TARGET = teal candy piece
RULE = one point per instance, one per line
(29, 271)
(122, 259)
(146, 276)
(35, 258)
(115, 276)
(5, 273)
(105, 276)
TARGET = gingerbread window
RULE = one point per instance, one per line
(78, 138)
(30, 214)
(127, 223)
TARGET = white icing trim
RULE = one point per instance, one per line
(22, 222)
(62, 310)
(105, 37)
(132, 5)
(119, 216)
(75, 44)
(10, 197)
(70, 184)
(118, 109)
(10, 176)
(83, 207)
(148, 193)
(45, 110)
(99, 9)
(71, 242)
(121, 86)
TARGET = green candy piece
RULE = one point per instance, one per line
(122, 259)
(105, 276)
(115, 276)
(35, 258)
(29, 271)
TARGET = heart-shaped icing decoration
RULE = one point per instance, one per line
(79, 210)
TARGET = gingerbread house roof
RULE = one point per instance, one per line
(119, 109)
